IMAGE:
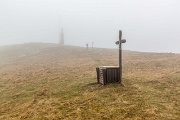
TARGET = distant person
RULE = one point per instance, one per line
(87, 46)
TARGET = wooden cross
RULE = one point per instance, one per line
(120, 54)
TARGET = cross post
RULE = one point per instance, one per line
(120, 54)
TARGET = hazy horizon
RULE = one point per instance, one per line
(148, 26)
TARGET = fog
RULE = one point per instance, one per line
(147, 25)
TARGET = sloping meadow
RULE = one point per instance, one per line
(60, 83)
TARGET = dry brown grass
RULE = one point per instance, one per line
(60, 83)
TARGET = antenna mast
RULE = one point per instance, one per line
(61, 35)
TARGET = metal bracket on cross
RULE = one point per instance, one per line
(122, 41)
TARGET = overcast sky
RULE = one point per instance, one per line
(147, 25)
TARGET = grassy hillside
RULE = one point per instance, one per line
(46, 81)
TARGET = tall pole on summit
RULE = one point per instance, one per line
(61, 33)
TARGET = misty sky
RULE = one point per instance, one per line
(147, 25)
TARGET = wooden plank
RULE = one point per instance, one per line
(104, 76)
(97, 71)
